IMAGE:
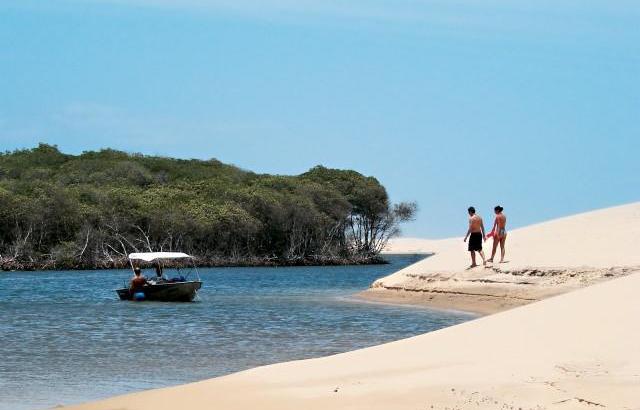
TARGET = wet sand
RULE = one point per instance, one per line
(576, 350)
(542, 260)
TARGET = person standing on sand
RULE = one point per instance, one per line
(499, 233)
(476, 235)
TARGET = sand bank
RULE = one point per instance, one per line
(578, 350)
(542, 260)
(574, 351)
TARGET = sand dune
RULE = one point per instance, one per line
(602, 238)
(543, 260)
(574, 351)
(578, 350)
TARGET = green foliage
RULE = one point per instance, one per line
(90, 210)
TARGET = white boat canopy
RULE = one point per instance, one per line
(152, 256)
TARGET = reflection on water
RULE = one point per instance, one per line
(66, 338)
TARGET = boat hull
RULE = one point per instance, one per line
(166, 292)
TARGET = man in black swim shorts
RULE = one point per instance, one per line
(476, 236)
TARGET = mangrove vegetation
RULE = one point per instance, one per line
(87, 211)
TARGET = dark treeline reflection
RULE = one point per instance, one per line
(90, 210)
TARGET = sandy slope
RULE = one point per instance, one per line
(579, 350)
(543, 260)
(575, 351)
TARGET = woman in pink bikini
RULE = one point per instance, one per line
(499, 231)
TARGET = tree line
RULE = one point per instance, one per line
(89, 211)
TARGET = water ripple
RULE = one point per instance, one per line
(65, 338)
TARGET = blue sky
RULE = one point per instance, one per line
(533, 105)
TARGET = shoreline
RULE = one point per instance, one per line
(558, 333)
(363, 298)
(478, 305)
(487, 291)
(8, 266)
(543, 260)
(546, 355)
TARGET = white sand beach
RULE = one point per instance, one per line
(542, 260)
(577, 350)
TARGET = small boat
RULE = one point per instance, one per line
(178, 289)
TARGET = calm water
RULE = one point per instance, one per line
(66, 338)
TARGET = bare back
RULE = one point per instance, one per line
(475, 223)
(501, 221)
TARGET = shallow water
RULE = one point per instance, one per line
(66, 338)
